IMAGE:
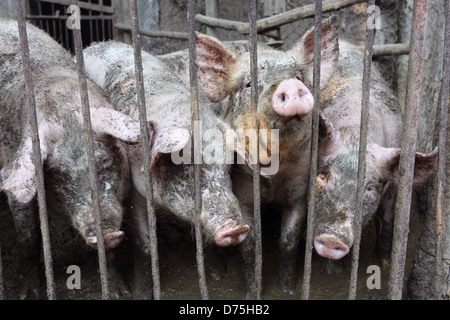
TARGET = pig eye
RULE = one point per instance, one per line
(322, 177)
(248, 84)
(106, 162)
(298, 76)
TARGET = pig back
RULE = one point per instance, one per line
(341, 100)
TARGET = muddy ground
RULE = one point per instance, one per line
(178, 266)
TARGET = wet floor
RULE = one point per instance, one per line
(178, 273)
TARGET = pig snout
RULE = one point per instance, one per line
(231, 235)
(112, 239)
(330, 246)
(292, 98)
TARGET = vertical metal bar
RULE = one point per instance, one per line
(362, 153)
(2, 294)
(196, 149)
(145, 141)
(314, 151)
(442, 117)
(256, 168)
(408, 148)
(37, 161)
(88, 135)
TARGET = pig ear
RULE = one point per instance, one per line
(304, 52)
(167, 139)
(214, 61)
(329, 137)
(18, 177)
(116, 124)
(389, 158)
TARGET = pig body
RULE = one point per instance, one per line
(62, 143)
(111, 65)
(285, 103)
(338, 158)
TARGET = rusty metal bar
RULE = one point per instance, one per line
(155, 33)
(88, 136)
(196, 151)
(442, 118)
(255, 166)
(275, 20)
(408, 148)
(37, 161)
(314, 151)
(145, 141)
(362, 154)
(2, 294)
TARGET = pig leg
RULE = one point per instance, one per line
(28, 247)
(214, 264)
(247, 249)
(117, 287)
(292, 221)
(142, 282)
(386, 212)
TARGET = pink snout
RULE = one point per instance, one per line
(329, 246)
(292, 98)
(112, 239)
(232, 236)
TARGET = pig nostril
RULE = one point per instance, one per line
(283, 98)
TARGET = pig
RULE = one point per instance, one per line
(111, 65)
(285, 103)
(338, 158)
(62, 144)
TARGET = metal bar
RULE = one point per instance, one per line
(86, 5)
(2, 294)
(408, 148)
(65, 17)
(362, 155)
(314, 151)
(442, 118)
(88, 136)
(37, 161)
(155, 33)
(196, 149)
(145, 141)
(255, 166)
(390, 49)
(276, 20)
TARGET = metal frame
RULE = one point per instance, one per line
(408, 147)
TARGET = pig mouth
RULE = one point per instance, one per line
(111, 239)
(232, 235)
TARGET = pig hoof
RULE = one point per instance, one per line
(29, 288)
(232, 236)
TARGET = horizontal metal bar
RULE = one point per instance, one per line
(155, 33)
(64, 17)
(86, 5)
(275, 20)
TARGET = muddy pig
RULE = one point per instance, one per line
(62, 143)
(111, 65)
(338, 158)
(285, 103)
